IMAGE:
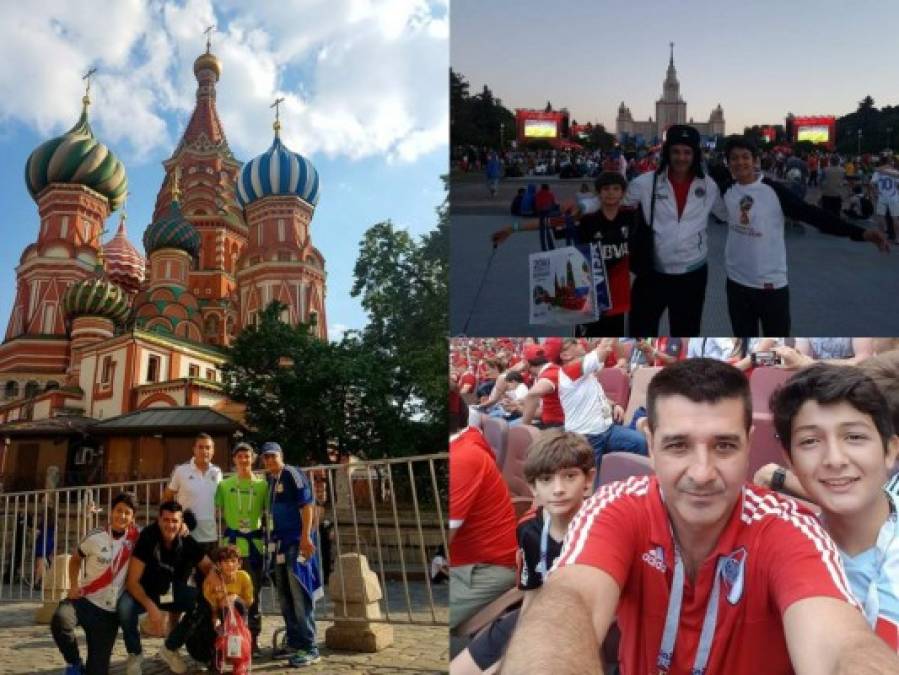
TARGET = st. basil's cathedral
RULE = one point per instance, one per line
(103, 346)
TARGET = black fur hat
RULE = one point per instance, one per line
(682, 134)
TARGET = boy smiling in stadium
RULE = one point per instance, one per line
(835, 425)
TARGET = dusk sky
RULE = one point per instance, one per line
(364, 83)
(759, 59)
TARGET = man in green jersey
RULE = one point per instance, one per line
(242, 499)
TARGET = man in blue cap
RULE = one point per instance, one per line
(296, 569)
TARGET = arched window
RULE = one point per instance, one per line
(31, 389)
(12, 390)
(51, 385)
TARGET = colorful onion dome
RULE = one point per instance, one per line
(172, 230)
(278, 171)
(77, 157)
(123, 263)
(96, 297)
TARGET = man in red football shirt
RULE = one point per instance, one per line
(482, 537)
(717, 576)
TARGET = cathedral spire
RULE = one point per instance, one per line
(204, 130)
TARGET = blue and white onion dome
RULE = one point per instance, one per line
(278, 171)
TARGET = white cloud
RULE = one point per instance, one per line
(336, 331)
(360, 77)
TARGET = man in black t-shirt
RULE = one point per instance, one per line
(163, 561)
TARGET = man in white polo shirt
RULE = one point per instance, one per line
(193, 485)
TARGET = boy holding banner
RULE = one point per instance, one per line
(607, 227)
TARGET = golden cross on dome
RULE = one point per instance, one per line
(277, 106)
(208, 31)
(86, 100)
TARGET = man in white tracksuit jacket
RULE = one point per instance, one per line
(684, 196)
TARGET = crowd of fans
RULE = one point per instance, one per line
(788, 568)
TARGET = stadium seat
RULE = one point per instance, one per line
(521, 436)
(621, 465)
(496, 431)
(639, 383)
(764, 447)
(615, 384)
(762, 383)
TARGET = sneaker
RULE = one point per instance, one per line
(173, 660)
(305, 657)
(134, 665)
(74, 669)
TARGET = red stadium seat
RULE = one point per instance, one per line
(764, 448)
(496, 431)
(521, 437)
(762, 383)
(622, 465)
(639, 383)
(616, 385)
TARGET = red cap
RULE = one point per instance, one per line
(552, 347)
(532, 352)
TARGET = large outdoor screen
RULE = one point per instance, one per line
(540, 129)
(815, 133)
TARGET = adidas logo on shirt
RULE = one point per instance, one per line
(656, 558)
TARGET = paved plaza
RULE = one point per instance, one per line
(28, 648)
(835, 283)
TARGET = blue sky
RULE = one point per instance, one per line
(364, 83)
(759, 59)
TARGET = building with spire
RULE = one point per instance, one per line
(99, 333)
(671, 108)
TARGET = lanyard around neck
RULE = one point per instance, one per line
(672, 618)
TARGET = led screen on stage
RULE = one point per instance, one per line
(540, 129)
(815, 134)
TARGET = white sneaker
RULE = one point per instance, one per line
(173, 660)
(134, 664)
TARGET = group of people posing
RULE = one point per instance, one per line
(656, 226)
(694, 568)
(186, 575)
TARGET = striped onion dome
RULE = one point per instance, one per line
(96, 297)
(77, 157)
(123, 263)
(278, 171)
(172, 230)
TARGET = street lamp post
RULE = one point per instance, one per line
(502, 129)
(890, 137)
(859, 142)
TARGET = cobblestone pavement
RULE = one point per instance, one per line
(828, 275)
(28, 648)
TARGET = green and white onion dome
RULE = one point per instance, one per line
(77, 157)
(172, 230)
(96, 297)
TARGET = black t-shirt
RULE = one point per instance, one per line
(165, 565)
(530, 530)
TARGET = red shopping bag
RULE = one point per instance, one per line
(233, 645)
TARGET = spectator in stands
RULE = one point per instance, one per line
(242, 499)
(661, 351)
(837, 428)
(721, 349)
(482, 526)
(560, 471)
(92, 604)
(585, 406)
(193, 485)
(633, 552)
(539, 363)
(838, 351)
(292, 508)
(164, 559)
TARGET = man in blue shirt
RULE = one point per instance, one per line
(296, 569)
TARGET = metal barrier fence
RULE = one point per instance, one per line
(390, 510)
